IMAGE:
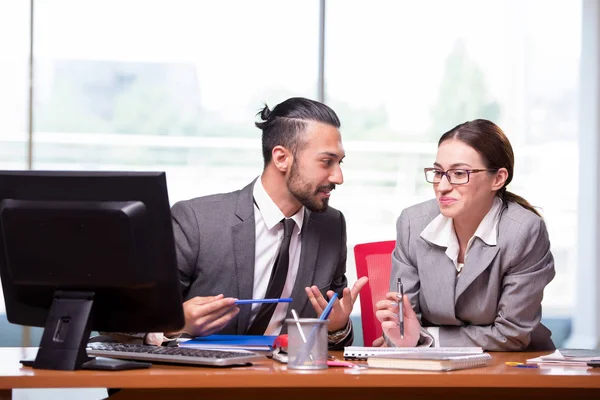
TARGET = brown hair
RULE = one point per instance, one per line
(490, 141)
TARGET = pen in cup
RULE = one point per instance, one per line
(310, 342)
(295, 315)
(300, 330)
(400, 296)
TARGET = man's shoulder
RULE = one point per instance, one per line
(214, 201)
(210, 200)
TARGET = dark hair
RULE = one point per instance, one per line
(490, 141)
(283, 125)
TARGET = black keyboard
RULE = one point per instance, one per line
(178, 355)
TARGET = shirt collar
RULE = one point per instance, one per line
(440, 231)
(269, 211)
(488, 228)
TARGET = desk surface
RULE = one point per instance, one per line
(267, 375)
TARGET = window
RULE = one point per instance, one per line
(400, 75)
(14, 76)
(170, 85)
(14, 67)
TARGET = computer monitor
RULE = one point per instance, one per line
(84, 251)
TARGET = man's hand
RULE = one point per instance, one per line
(207, 315)
(387, 314)
(340, 313)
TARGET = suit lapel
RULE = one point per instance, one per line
(480, 256)
(438, 280)
(244, 238)
(308, 262)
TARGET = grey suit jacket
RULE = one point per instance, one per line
(495, 302)
(215, 242)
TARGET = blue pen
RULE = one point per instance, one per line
(250, 301)
(327, 309)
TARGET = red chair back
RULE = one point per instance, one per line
(373, 260)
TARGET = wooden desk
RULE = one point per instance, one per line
(270, 379)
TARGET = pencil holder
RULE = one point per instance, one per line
(307, 343)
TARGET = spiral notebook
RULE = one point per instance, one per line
(429, 361)
(362, 353)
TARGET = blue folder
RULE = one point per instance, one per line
(235, 342)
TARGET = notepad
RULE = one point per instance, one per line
(233, 342)
(429, 361)
(362, 353)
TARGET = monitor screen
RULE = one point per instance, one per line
(83, 251)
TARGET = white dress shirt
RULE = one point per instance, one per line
(269, 234)
(441, 232)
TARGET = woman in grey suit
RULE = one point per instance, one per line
(473, 262)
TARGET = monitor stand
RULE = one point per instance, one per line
(66, 335)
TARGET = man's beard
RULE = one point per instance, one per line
(303, 192)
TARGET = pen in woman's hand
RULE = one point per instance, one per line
(400, 296)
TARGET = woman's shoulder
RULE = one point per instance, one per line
(519, 214)
(523, 235)
(518, 220)
(426, 209)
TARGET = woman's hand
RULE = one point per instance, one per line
(387, 314)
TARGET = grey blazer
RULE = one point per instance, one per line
(495, 302)
(215, 242)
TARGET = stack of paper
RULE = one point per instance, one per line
(567, 357)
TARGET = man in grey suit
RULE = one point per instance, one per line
(228, 244)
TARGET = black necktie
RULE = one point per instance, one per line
(276, 282)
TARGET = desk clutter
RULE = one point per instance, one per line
(280, 354)
(233, 350)
(568, 357)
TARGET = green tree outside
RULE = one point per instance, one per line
(463, 94)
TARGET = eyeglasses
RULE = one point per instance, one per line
(455, 176)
